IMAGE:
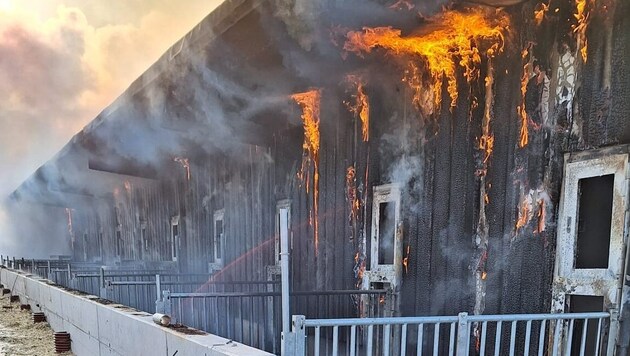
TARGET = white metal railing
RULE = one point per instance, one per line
(461, 335)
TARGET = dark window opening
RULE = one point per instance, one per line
(218, 237)
(85, 246)
(100, 244)
(585, 304)
(119, 246)
(386, 232)
(175, 241)
(594, 224)
(211, 241)
(145, 242)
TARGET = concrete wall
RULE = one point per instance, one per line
(98, 329)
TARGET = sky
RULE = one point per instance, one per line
(63, 61)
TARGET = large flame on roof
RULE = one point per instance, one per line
(310, 103)
(451, 41)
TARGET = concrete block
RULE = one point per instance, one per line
(113, 330)
(82, 343)
(80, 311)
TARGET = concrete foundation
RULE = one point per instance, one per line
(111, 329)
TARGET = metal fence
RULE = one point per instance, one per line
(250, 312)
(462, 335)
(254, 317)
(245, 311)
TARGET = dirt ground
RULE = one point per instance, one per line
(20, 336)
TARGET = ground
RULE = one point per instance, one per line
(20, 336)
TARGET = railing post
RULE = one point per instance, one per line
(284, 270)
(463, 334)
(158, 288)
(613, 331)
(294, 342)
(165, 306)
(104, 288)
(49, 273)
(69, 277)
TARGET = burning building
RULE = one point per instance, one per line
(466, 156)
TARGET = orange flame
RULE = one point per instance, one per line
(405, 261)
(359, 268)
(582, 15)
(486, 142)
(127, 185)
(185, 163)
(351, 194)
(361, 107)
(539, 15)
(484, 275)
(522, 113)
(541, 216)
(451, 42)
(310, 103)
(523, 215)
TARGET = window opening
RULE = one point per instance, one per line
(218, 239)
(385, 244)
(100, 244)
(145, 241)
(85, 247)
(594, 221)
(119, 243)
(174, 240)
(386, 231)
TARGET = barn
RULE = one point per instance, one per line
(422, 159)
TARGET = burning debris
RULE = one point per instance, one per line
(310, 103)
(451, 40)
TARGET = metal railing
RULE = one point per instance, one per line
(517, 334)
(254, 317)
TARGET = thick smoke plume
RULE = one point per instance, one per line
(61, 62)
